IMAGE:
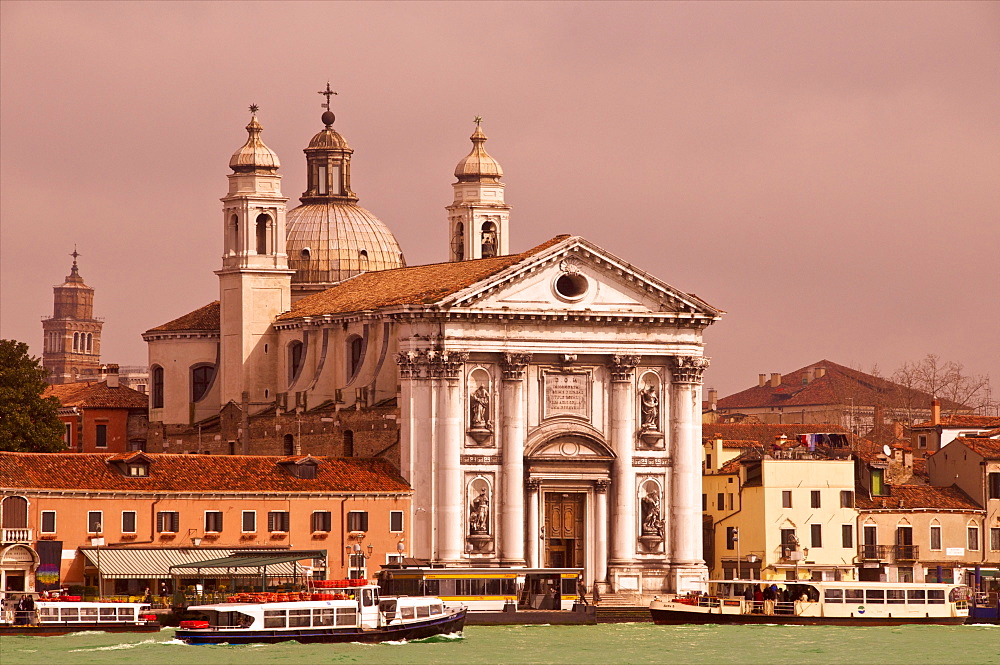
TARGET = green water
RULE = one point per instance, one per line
(608, 643)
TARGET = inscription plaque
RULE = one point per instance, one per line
(567, 394)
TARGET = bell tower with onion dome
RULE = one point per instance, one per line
(255, 281)
(478, 218)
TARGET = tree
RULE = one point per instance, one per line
(28, 421)
(947, 381)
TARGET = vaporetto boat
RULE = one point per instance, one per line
(64, 617)
(818, 603)
(356, 614)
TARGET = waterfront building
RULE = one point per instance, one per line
(118, 522)
(71, 348)
(101, 417)
(544, 405)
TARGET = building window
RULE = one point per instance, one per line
(249, 521)
(321, 521)
(877, 485)
(847, 536)
(786, 498)
(994, 539)
(732, 535)
(363, 260)
(348, 443)
(138, 470)
(814, 499)
(721, 501)
(288, 444)
(704, 503)
(157, 393)
(489, 240)
(262, 221)
(729, 501)
(935, 537)
(294, 360)
(993, 482)
(201, 379)
(973, 532)
(168, 521)
(395, 521)
(95, 521)
(128, 521)
(68, 435)
(357, 520)
(356, 567)
(789, 542)
(76, 341)
(355, 346)
(213, 521)
(101, 438)
(48, 521)
(277, 520)
(922, 441)
(816, 535)
(846, 499)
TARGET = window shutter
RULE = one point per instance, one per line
(175, 522)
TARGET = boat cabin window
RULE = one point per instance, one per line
(834, 595)
(437, 609)
(367, 597)
(935, 596)
(854, 596)
(48, 613)
(108, 613)
(895, 596)
(69, 613)
(387, 607)
(274, 618)
(916, 596)
(423, 611)
(875, 596)
(299, 618)
(323, 616)
(406, 612)
(347, 616)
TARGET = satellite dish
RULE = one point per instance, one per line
(887, 451)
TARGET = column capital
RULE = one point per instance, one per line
(688, 369)
(513, 365)
(622, 366)
(602, 485)
(533, 484)
(431, 363)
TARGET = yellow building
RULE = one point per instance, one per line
(785, 513)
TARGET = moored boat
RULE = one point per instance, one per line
(64, 617)
(817, 603)
(355, 614)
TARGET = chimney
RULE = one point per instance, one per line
(879, 416)
(809, 376)
(819, 373)
(936, 412)
(713, 399)
(112, 375)
(775, 379)
(718, 451)
(761, 380)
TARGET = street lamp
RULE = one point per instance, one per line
(751, 560)
(736, 540)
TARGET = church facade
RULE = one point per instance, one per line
(546, 404)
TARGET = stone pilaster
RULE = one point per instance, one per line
(601, 531)
(513, 432)
(533, 486)
(622, 429)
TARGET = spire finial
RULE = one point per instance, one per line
(254, 108)
(478, 120)
(74, 253)
(327, 93)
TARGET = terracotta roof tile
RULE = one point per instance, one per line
(90, 395)
(986, 448)
(196, 473)
(415, 285)
(976, 422)
(203, 318)
(908, 497)
(837, 386)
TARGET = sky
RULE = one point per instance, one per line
(826, 173)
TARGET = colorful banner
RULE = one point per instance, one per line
(49, 560)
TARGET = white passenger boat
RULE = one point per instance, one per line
(63, 617)
(354, 615)
(818, 603)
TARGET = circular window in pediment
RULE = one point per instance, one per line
(571, 286)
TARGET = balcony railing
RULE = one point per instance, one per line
(18, 535)
(906, 552)
(873, 552)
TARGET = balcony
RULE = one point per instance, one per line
(17, 535)
(906, 552)
(873, 552)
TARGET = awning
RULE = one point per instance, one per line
(254, 560)
(156, 563)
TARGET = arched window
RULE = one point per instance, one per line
(157, 388)
(489, 244)
(14, 513)
(348, 443)
(76, 341)
(294, 360)
(262, 221)
(355, 348)
(234, 234)
(201, 379)
(289, 444)
(90, 342)
(458, 242)
(363, 260)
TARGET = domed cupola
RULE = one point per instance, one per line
(330, 237)
(254, 156)
(478, 165)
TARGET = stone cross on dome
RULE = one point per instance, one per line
(327, 93)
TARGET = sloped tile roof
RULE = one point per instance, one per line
(204, 319)
(909, 497)
(987, 448)
(92, 395)
(196, 473)
(763, 434)
(733, 443)
(974, 422)
(415, 285)
(837, 386)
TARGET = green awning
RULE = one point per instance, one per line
(159, 562)
(254, 559)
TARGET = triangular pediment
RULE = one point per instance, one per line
(575, 275)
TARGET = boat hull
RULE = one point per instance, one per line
(665, 617)
(414, 631)
(52, 629)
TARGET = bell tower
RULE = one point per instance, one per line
(254, 282)
(478, 218)
(71, 348)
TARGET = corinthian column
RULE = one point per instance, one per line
(513, 431)
(418, 425)
(601, 532)
(533, 485)
(451, 510)
(685, 448)
(622, 431)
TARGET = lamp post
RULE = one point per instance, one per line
(736, 540)
(751, 560)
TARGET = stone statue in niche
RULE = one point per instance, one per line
(479, 514)
(650, 405)
(652, 525)
(479, 408)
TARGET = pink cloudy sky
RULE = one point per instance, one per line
(828, 174)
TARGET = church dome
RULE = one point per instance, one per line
(330, 242)
(254, 156)
(478, 165)
(328, 139)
